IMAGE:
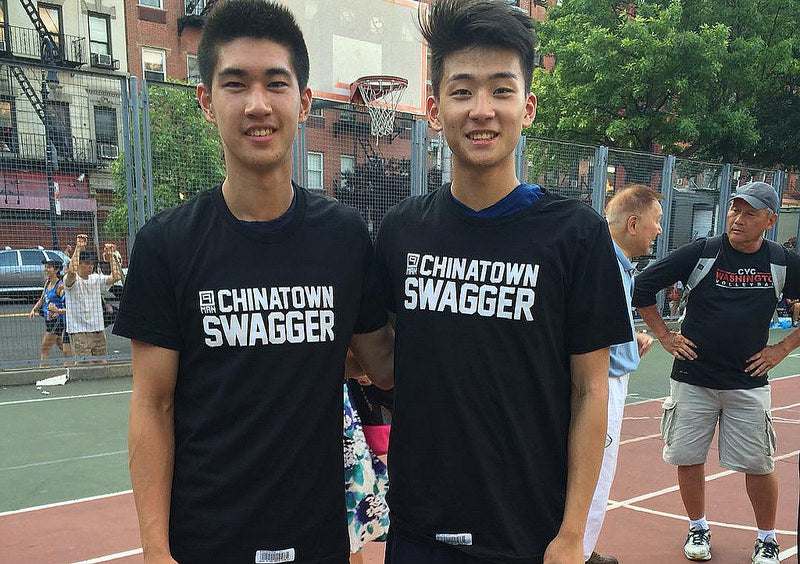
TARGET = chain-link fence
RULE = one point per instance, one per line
(60, 134)
(121, 150)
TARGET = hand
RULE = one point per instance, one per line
(766, 359)
(81, 242)
(32, 314)
(643, 343)
(109, 250)
(679, 346)
(564, 549)
(52, 311)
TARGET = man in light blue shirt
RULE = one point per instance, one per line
(634, 220)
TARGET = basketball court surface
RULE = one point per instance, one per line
(66, 492)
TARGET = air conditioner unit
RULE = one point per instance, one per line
(102, 60)
(3, 46)
(573, 183)
(107, 151)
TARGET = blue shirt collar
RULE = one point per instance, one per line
(623, 259)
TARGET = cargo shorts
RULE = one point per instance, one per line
(747, 438)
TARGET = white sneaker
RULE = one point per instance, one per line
(766, 551)
(698, 544)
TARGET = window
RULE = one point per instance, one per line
(8, 258)
(314, 171)
(99, 35)
(4, 45)
(105, 132)
(8, 125)
(152, 3)
(51, 16)
(193, 7)
(61, 128)
(154, 64)
(192, 70)
(347, 164)
(32, 258)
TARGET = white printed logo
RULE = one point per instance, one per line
(456, 539)
(412, 263)
(207, 304)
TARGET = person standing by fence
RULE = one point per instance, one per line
(52, 306)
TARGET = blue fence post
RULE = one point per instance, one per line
(599, 179)
(419, 157)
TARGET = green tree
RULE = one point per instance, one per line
(706, 78)
(186, 153)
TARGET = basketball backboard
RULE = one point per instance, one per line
(348, 39)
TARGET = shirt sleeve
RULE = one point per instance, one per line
(677, 265)
(597, 312)
(148, 310)
(372, 315)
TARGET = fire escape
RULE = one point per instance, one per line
(193, 15)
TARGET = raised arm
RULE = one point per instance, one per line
(72, 268)
(151, 444)
(375, 353)
(110, 255)
(587, 436)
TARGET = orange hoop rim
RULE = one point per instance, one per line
(384, 84)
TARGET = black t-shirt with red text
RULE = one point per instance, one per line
(262, 321)
(727, 314)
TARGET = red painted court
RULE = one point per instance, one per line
(645, 523)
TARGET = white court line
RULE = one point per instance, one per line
(787, 553)
(637, 439)
(615, 504)
(17, 402)
(63, 503)
(109, 557)
(715, 523)
(100, 455)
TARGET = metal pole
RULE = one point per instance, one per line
(668, 191)
(777, 183)
(126, 144)
(446, 164)
(599, 179)
(724, 196)
(147, 153)
(419, 157)
(48, 160)
(137, 152)
(519, 158)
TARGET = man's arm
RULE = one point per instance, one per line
(771, 355)
(587, 436)
(109, 254)
(72, 267)
(151, 444)
(375, 353)
(673, 342)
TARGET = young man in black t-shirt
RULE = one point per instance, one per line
(507, 299)
(240, 305)
(721, 361)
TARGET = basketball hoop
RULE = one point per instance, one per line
(380, 94)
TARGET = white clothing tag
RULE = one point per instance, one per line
(462, 539)
(274, 556)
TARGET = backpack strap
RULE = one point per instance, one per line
(708, 255)
(777, 266)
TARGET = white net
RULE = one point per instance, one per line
(381, 96)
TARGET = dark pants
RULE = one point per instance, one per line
(401, 550)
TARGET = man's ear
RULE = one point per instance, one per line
(305, 105)
(530, 110)
(631, 224)
(433, 114)
(204, 99)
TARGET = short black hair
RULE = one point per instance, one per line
(452, 25)
(256, 19)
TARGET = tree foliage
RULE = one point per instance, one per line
(186, 154)
(716, 79)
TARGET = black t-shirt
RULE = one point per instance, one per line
(262, 324)
(727, 314)
(488, 313)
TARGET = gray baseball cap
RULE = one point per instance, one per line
(760, 195)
